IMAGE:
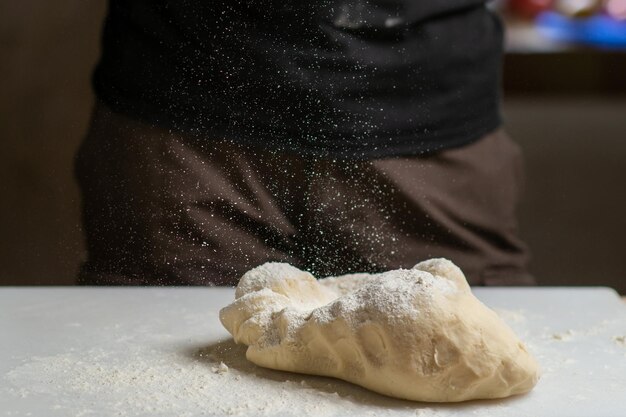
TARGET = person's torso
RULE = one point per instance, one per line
(327, 75)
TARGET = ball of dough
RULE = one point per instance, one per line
(416, 334)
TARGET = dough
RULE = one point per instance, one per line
(417, 334)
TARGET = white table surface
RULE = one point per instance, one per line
(69, 351)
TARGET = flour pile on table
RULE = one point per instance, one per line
(417, 334)
(212, 381)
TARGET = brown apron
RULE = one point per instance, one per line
(165, 208)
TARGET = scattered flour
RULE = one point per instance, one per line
(221, 369)
(209, 381)
(563, 336)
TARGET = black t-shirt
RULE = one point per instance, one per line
(331, 77)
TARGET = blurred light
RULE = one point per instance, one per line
(600, 30)
(616, 9)
(578, 8)
(529, 8)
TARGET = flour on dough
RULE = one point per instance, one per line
(417, 334)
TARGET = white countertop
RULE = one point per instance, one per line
(70, 351)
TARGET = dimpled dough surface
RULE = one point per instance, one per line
(417, 334)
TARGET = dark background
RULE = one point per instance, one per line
(566, 109)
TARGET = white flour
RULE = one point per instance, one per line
(217, 380)
(397, 295)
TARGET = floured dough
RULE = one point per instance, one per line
(418, 334)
